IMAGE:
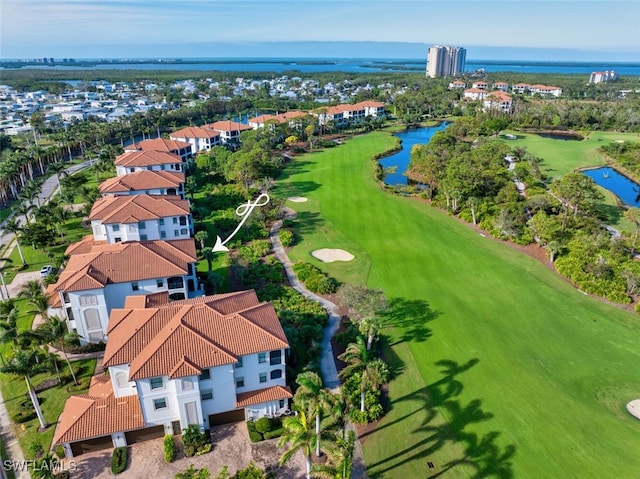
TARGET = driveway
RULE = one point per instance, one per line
(231, 448)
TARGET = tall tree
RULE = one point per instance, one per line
(314, 398)
(298, 433)
(26, 364)
(53, 332)
(373, 371)
(633, 215)
(12, 225)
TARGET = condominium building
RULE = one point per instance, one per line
(443, 61)
(605, 76)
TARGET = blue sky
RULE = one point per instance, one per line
(596, 30)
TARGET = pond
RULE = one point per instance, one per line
(561, 136)
(627, 190)
(401, 159)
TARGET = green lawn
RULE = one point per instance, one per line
(14, 391)
(560, 157)
(502, 368)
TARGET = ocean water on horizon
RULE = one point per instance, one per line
(353, 65)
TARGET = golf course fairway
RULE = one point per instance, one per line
(501, 368)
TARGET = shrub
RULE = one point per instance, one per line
(35, 448)
(637, 308)
(255, 436)
(287, 238)
(59, 450)
(119, 460)
(314, 278)
(169, 448)
(195, 441)
(273, 433)
(263, 425)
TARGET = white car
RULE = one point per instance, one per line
(46, 271)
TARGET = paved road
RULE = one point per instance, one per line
(49, 188)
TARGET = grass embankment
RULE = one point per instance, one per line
(502, 368)
(14, 392)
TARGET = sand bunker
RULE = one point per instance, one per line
(327, 255)
(634, 408)
(297, 199)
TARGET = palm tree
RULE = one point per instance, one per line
(26, 363)
(58, 169)
(12, 225)
(340, 459)
(53, 332)
(633, 215)
(32, 292)
(299, 434)
(201, 237)
(373, 371)
(4, 267)
(314, 398)
(9, 332)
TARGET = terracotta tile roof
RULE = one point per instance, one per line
(86, 417)
(142, 180)
(85, 245)
(100, 386)
(195, 132)
(273, 393)
(177, 337)
(227, 125)
(499, 96)
(124, 262)
(475, 90)
(53, 296)
(153, 300)
(158, 144)
(369, 104)
(147, 158)
(121, 209)
(280, 118)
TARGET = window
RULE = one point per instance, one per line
(122, 380)
(160, 283)
(160, 403)
(117, 240)
(175, 221)
(143, 237)
(206, 394)
(281, 403)
(142, 225)
(116, 227)
(275, 357)
(187, 385)
(132, 228)
(135, 286)
(131, 170)
(239, 363)
(276, 374)
(240, 382)
(183, 221)
(262, 357)
(92, 319)
(175, 282)
(263, 377)
(184, 231)
(157, 383)
(88, 300)
(176, 232)
(205, 374)
(161, 221)
(163, 234)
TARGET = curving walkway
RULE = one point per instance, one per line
(327, 361)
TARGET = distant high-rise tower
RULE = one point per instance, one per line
(444, 61)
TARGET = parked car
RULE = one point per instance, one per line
(46, 271)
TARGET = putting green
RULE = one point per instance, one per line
(502, 368)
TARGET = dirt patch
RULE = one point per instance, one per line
(328, 255)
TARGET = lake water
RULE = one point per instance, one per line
(402, 158)
(352, 65)
(627, 190)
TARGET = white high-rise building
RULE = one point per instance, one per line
(443, 61)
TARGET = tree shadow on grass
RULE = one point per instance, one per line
(295, 167)
(445, 422)
(307, 222)
(410, 317)
(296, 188)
